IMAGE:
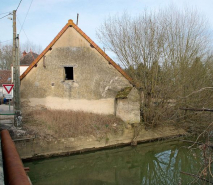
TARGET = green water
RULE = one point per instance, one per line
(157, 163)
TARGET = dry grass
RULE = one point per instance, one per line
(64, 124)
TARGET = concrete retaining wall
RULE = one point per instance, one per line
(37, 148)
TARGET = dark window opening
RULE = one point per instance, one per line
(69, 73)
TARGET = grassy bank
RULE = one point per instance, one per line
(65, 124)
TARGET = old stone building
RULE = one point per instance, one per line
(73, 73)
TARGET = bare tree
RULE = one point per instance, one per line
(6, 57)
(30, 46)
(6, 53)
(158, 50)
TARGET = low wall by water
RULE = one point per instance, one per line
(38, 148)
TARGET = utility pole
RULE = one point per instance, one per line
(16, 74)
(14, 48)
(17, 82)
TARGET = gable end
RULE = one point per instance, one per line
(93, 44)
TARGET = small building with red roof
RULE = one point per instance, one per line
(25, 61)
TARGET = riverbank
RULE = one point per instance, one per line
(34, 148)
(48, 133)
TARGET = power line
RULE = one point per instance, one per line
(26, 16)
(23, 29)
(18, 5)
(6, 41)
(4, 16)
(4, 13)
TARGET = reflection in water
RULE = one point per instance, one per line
(147, 164)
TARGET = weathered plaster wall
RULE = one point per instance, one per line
(95, 83)
(101, 106)
(128, 109)
(71, 38)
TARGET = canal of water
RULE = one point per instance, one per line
(156, 163)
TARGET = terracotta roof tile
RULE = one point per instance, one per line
(28, 58)
(5, 77)
(71, 23)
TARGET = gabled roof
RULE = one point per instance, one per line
(72, 24)
(28, 58)
(5, 77)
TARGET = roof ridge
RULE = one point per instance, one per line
(71, 23)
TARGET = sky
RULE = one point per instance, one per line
(45, 18)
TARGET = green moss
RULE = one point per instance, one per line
(123, 93)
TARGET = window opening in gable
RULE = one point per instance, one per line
(69, 73)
